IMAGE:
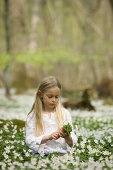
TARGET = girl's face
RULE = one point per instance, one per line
(50, 98)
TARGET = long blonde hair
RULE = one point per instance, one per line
(46, 83)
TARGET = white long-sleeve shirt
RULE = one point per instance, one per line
(50, 126)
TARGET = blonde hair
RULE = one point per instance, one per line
(46, 83)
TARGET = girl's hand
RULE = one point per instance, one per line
(54, 135)
(62, 133)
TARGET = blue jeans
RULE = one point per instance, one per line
(46, 154)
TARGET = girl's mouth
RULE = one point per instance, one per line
(52, 104)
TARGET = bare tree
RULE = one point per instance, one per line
(111, 4)
(33, 43)
(5, 77)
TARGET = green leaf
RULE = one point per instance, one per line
(67, 128)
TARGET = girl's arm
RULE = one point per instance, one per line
(32, 141)
(72, 138)
(44, 139)
(67, 138)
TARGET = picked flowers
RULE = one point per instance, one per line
(67, 128)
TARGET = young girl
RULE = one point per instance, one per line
(44, 134)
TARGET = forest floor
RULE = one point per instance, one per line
(94, 149)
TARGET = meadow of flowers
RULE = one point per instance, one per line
(94, 130)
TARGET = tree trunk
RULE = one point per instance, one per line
(95, 68)
(6, 80)
(56, 15)
(111, 4)
(88, 45)
(33, 44)
(108, 67)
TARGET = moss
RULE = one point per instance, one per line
(2, 122)
(19, 123)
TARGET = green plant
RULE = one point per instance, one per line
(67, 128)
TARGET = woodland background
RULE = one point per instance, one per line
(71, 39)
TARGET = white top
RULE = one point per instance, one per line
(50, 126)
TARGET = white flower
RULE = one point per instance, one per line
(109, 139)
(69, 149)
(76, 127)
(106, 153)
(91, 159)
(82, 144)
(29, 150)
(89, 147)
(102, 142)
(1, 131)
(15, 132)
(65, 122)
(12, 147)
(3, 165)
(22, 142)
(79, 151)
(5, 127)
(15, 127)
(11, 167)
(16, 154)
(20, 158)
(7, 149)
(24, 150)
(13, 136)
(77, 158)
(6, 156)
(27, 154)
(100, 147)
(33, 161)
(42, 153)
(96, 141)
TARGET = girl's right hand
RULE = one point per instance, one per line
(62, 133)
(54, 135)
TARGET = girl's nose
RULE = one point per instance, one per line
(53, 99)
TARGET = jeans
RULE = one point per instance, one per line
(46, 154)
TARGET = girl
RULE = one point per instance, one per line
(44, 134)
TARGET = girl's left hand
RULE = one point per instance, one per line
(62, 133)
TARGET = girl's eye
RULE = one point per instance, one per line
(49, 96)
(52, 96)
(57, 97)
